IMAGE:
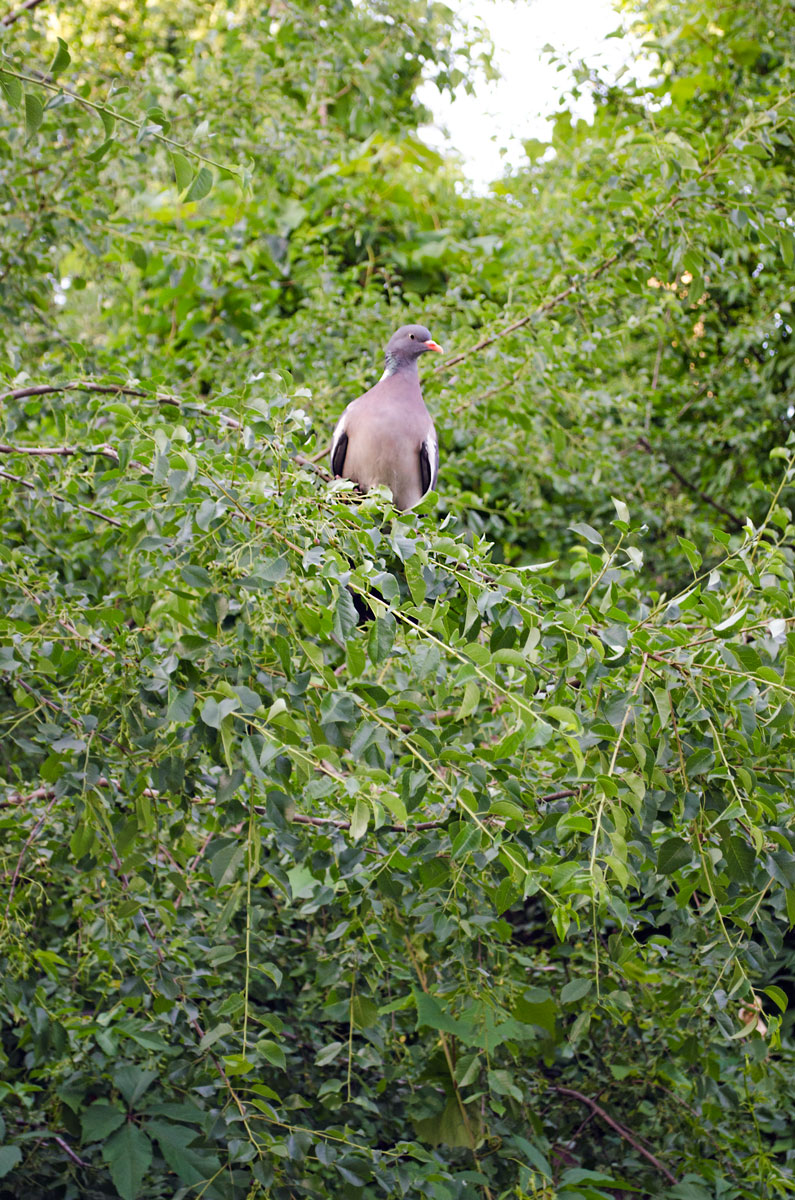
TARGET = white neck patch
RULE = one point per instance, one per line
(389, 369)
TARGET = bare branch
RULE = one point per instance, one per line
(67, 1149)
(620, 1129)
(646, 445)
(13, 16)
(116, 389)
(546, 307)
(105, 450)
(63, 499)
(31, 837)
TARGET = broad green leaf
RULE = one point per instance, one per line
(740, 859)
(11, 88)
(469, 702)
(448, 1128)
(360, 819)
(381, 639)
(672, 855)
(183, 171)
(128, 1153)
(10, 1157)
(34, 113)
(622, 512)
(328, 1053)
(195, 1165)
(133, 1082)
(588, 532)
(181, 707)
(778, 996)
(99, 1120)
(201, 186)
(273, 1052)
(62, 59)
(430, 1012)
(575, 989)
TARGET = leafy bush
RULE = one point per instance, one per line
(489, 895)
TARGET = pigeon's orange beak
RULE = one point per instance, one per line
(434, 346)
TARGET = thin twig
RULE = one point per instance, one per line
(63, 499)
(646, 445)
(18, 867)
(118, 389)
(7, 20)
(546, 307)
(67, 1149)
(620, 1129)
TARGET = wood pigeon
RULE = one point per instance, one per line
(387, 436)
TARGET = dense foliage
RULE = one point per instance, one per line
(490, 895)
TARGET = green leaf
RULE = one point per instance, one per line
(345, 615)
(133, 1081)
(97, 155)
(181, 707)
(364, 1012)
(11, 88)
(196, 576)
(183, 171)
(778, 996)
(62, 59)
(99, 1120)
(328, 1053)
(740, 859)
(699, 762)
(201, 186)
(108, 122)
(10, 1157)
(693, 556)
(360, 819)
(448, 1128)
(575, 990)
(34, 114)
(128, 1153)
(588, 532)
(622, 512)
(502, 1083)
(213, 711)
(381, 639)
(674, 854)
(731, 622)
(470, 700)
(273, 1053)
(225, 862)
(195, 1165)
(430, 1012)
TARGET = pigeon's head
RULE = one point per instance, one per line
(407, 344)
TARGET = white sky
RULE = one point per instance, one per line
(487, 129)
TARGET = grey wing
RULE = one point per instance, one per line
(429, 462)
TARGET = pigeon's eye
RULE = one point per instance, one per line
(411, 335)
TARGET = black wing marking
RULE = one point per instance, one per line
(338, 452)
(426, 470)
(429, 462)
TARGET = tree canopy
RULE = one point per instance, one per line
(490, 895)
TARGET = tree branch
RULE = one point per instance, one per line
(63, 499)
(13, 16)
(620, 1129)
(105, 450)
(115, 389)
(546, 307)
(31, 837)
(646, 445)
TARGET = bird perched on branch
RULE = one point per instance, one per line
(386, 436)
